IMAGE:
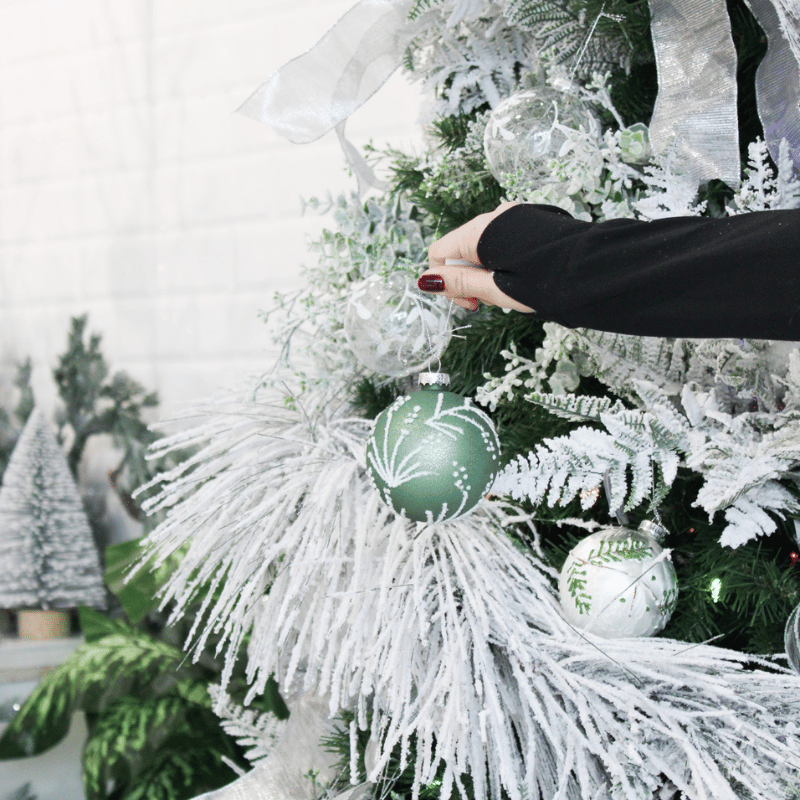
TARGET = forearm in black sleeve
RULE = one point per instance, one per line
(687, 277)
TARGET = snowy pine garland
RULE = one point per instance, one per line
(449, 635)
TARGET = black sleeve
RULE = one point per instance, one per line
(687, 277)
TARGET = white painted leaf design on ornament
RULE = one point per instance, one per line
(441, 424)
(385, 458)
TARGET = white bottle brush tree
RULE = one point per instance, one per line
(47, 553)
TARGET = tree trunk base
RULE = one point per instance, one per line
(37, 624)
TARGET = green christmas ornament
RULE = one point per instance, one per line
(433, 455)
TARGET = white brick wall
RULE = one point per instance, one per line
(129, 188)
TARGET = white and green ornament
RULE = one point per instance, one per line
(433, 454)
(393, 328)
(791, 639)
(619, 582)
(526, 131)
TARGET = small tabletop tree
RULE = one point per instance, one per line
(48, 558)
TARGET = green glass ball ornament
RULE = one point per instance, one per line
(617, 583)
(433, 455)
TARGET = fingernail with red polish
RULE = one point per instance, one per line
(431, 283)
(475, 301)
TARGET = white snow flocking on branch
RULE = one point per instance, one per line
(449, 635)
(692, 400)
(254, 731)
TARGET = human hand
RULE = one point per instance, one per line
(455, 270)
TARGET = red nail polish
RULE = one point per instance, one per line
(431, 283)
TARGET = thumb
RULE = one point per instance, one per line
(466, 285)
(462, 243)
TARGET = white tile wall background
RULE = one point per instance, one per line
(129, 188)
(131, 191)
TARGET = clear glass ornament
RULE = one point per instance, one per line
(525, 133)
(392, 328)
(617, 583)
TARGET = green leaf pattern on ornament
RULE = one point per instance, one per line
(609, 553)
(616, 552)
(670, 601)
(577, 585)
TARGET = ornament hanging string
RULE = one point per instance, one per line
(615, 17)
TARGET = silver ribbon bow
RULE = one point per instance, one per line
(778, 75)
(695, 113)
(317, 91)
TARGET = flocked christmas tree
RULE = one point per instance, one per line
(47, 553)
(443, 647)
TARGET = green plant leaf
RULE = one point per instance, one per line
(129, 735)
(95, 675)
(166, 748)
(179, 775)
(95, 625)
(137, 591)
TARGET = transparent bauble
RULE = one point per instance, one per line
(392, 328)
(618, 582)
(526, 131)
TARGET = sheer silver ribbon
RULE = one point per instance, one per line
(317, 91)
(778, 76)
(695, 113)
(298, 768)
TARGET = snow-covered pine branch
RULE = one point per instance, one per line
(448, 635)
(641, 449)
(633, 443)
(468, 55)
(562, 30)
(762, 189)
(255, 731)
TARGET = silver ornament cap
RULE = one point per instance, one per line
(652, 529)
(434, 379)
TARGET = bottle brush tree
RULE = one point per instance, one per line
(48, 558)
